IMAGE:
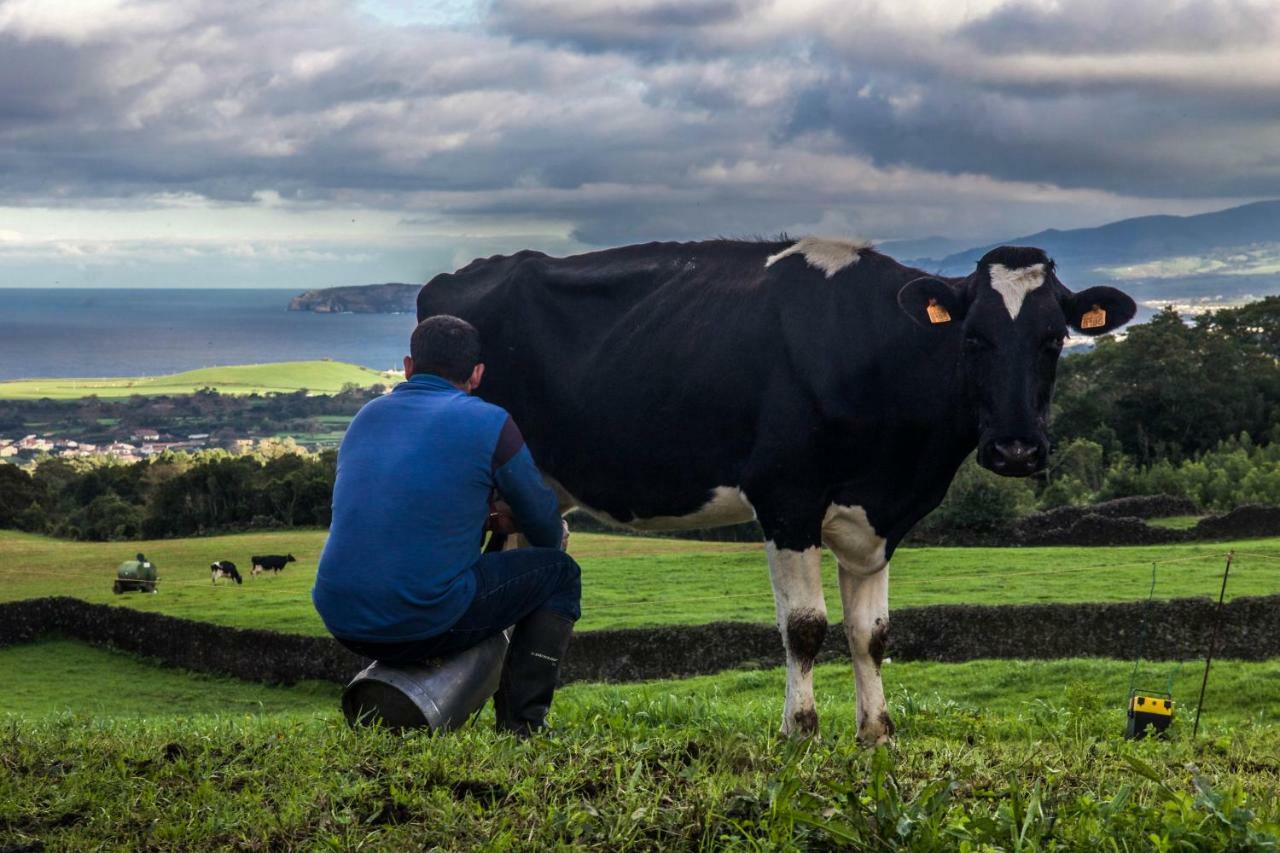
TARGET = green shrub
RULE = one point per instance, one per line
(982, 502)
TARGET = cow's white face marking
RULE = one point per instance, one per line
(726, 505)
(827, 254)
(1013, 285)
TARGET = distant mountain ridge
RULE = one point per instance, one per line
(1136, 240)
(388, 298)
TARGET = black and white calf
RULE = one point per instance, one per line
(270, 563)
(817, 385)
(224, 569)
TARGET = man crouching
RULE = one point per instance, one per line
(401, 578)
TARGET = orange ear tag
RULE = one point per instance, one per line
(1095, 319)
(937, 314)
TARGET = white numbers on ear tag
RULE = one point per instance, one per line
(937, 314)
(1095, 319)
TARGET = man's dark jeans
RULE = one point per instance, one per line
(509, 586)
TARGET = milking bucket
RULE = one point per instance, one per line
(439, 694)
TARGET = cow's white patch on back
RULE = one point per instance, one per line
(726, 505)
(824, 253)
(1013, 285)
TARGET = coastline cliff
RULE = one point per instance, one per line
(389, 298)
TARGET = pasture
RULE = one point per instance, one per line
(317, 377)
(632, 582)
(104, 749)
(101, 749)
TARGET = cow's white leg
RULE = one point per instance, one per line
(864, 593)
(802, 619)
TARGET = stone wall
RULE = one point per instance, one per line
(1178, 629)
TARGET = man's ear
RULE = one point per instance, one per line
(408, 366)
(1098, 310)
(477, 374)
(932, 302)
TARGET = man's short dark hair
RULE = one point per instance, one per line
(447, 346)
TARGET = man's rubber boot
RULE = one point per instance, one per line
(531, 672)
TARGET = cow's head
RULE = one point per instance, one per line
(1013, 314)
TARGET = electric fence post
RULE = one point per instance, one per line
(1213, 642)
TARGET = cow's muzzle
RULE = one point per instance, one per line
(1014, 457)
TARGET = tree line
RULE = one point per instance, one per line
(174, 494)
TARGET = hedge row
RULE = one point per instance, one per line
(1176, 629)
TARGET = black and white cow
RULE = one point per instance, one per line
(817, 385)
(270, 563)
(224, 569)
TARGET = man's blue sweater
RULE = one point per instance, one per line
(415, 473)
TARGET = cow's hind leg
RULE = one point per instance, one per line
(864, 592)
(802, 619)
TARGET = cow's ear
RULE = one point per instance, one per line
(1098, 310)
(932, 302)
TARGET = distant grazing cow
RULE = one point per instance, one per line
(271, 563)
(817, 386)
(225, 569)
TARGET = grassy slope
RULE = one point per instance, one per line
(630, 581)
(1031, 752)
(60, 676)
(324, 377)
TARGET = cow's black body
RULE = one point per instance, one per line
(645, 377)
(270, 563)
(820, 385)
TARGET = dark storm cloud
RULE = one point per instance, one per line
(660, 28)
(620, 120)
(1101, 26)
(1054, 138)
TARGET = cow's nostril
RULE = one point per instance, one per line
(1017, 452)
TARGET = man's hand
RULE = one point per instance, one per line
(501, 521)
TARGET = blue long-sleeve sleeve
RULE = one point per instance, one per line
(532, 502)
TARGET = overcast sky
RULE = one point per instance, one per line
(296, 143)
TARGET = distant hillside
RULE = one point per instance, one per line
(317, 377)
(1140, 240)
(389, 298)
(922, 248)
(1224, 255)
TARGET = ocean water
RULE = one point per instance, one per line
(82, 332)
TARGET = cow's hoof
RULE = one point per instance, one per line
(801, 724)
(876, 732)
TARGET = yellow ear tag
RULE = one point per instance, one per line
(937, 314)
(1095, 319)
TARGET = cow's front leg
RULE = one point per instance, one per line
(864, 593)
(802, 619)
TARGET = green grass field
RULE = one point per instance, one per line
(318, 377)
(54, 677)
(1176, 522)
(632, 581)
(100, 750)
